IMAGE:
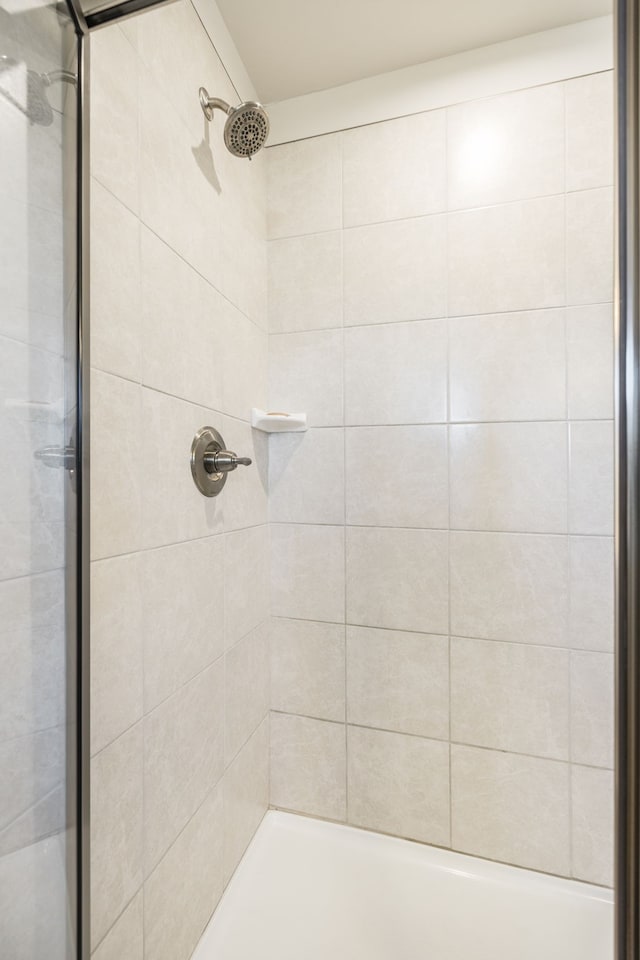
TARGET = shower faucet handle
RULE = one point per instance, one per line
(224, 461)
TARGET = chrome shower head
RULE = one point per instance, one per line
(247, 125)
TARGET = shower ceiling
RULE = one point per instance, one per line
(291, 48)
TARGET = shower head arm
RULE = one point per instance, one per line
(209, 104)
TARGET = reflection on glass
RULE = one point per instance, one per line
(37, 502)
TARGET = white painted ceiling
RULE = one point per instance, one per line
(292, 47)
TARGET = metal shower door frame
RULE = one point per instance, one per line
(627, 310)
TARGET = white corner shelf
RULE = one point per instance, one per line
(277, 422)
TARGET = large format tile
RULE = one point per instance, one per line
(305, 375)
(114, 99)
(510, 696)
(398, 579)
(509, 476)
(508, 257)
(396, 373)
(246, 495)
(591, 488)
(511, 808)
(590, 361)
(398, 681)
(173, 509)
(509, 587)
(308, 668)
(395, 271)
(183, 891)
(305, 283)
(246, 689)
(592, 836)
(246, 582)
(125, 940)
(375, 494)
(117, 819)
(308, 766)
(306, 477)
(307, 572)
(116, 465)
(183, 613)
(395, 169)
(183, 330)
(245, 791)
(304, 186)
(508, 367)
(183, 759)
(509, 147)
(590, 266)
(116, 648)
(115, 285)
(399, 785)
(591, 579)
(590, 137)
(592, 708)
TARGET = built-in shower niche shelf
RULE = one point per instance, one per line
(277, 422)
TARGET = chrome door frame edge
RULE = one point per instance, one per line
(627, 793)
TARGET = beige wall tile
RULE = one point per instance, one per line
(509, 476)
(125, 940)
(116, 648)
(591, 578)
(398, 681)
(246, 494)
(523, 241)
(510, 696)
(183, 891)
(183, 759)
(398, 579)
(182, 613)
(372, 491)
(245, 796)
(116, 468)
(395, 271)
(114, 99)
(590, 115)
(306, 477)
(307, 572)
(305, 283)
(592, 708)
(511, 808)
(505, 148)
(246, 371)
(375, 393)
(308, 766)
(395, 169)
(591, 478)
(308, 668)
(304, 186)
(115, 285)
(509, 587)
(173, 508)
(592, 793)
(399, 785)
(246, 582)
(508, 367)
(590, 361)
(246, 689)
(116, 829)
(590, 246)
(305, 376)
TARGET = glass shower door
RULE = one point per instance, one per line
(38, 479)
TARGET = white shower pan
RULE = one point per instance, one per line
(321, 891)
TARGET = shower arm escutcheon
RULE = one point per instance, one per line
(211, 462)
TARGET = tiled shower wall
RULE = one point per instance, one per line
(179, 656)
(440, 305)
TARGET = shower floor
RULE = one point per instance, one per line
(306, 888)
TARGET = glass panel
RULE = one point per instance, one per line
(38, 392)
